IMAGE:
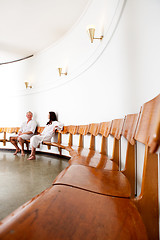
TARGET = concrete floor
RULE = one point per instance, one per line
(20, 179)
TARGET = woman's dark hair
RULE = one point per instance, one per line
(52, 118)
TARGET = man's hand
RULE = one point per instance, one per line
(20, 133)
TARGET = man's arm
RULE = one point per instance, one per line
(21, 129)
(20, 133)
(33, 127)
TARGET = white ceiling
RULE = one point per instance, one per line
(29, 26)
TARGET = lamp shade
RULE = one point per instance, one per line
(26, 84)
(60, 71)
(91, 33)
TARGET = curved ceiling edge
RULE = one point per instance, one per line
(67, 33)
(17, 60)
(89, 62)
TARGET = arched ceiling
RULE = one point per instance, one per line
(29, 26)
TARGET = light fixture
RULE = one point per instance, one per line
(91, 31)
(60, 72)
(27, 85)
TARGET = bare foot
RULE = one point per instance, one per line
(22, 153)
(17, 151)
(31, 158)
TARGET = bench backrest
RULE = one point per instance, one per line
(128, 132)
(116, 132)
(83, 129)
(116, 128)
(94, 131)
(65, 130)
(104, 130)
(155, 143)
(40, 129)
(10, 130)
(149, 120)
(147, 202)
(72, 131)
(1, 130)
(129, 127)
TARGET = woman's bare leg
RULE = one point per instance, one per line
(33, 152)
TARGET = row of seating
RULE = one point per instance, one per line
(92, 198)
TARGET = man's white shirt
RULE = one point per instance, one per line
(28, 127)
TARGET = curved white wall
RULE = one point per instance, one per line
(106, 79)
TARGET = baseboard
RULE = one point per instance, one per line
(38, 153)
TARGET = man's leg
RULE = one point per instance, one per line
(13, 140)
(21, 142)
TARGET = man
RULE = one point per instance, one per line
(25, 133)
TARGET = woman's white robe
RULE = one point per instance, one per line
(46, 135)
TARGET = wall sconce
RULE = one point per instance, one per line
(91, 34)
(27, 85)
(60, 72)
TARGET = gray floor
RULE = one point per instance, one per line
(20, 179)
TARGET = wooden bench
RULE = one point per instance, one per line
(114, 183)
(90, 201)
(6, 130)
(15, 130)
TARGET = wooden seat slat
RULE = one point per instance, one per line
(93, 160)
(75, 214)
(111, 183)
(54, 144)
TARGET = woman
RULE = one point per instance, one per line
(46, 135)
